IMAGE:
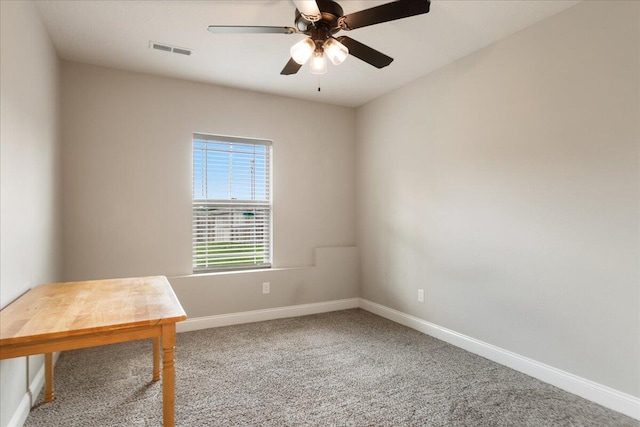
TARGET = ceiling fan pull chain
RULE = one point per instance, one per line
(319, 82)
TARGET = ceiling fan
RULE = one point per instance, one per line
(320, 20)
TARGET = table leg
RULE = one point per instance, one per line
(168, 373)
(156, 358)
(49, 395)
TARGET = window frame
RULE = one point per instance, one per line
(238, 204)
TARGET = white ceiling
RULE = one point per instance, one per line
(117, 34)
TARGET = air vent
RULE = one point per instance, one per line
(168, 48)
(161, 47)
(181, 51)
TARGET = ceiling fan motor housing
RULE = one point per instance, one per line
(331, 12)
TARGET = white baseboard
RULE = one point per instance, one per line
(20, 416)
(22, 412)
(598, 393)
(36, 385)
(266, 314)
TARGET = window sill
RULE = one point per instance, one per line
(246, 271)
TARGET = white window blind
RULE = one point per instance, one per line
(231, 203)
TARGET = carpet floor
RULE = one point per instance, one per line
(346, 368)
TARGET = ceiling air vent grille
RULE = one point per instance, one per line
(181, 51)
(168, 48)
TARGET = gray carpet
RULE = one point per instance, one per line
(348, 368)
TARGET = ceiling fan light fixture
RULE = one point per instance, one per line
(318, 64)
(302, 51)
(319, 20)
(336, 51)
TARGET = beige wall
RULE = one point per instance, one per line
(127, 182)
(334, 276)
(506, 185)
(29, 190)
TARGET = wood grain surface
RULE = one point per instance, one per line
(70, 309)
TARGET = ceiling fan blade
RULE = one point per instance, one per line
(308, 9)
(246, 29)
(365, 53)
(384, 13)
(292, 67)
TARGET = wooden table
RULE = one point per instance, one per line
(65, 316)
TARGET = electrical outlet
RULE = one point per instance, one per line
(266, 287)
(420, 295)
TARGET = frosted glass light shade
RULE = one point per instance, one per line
(318, 64)
(336, 51)
(302, 51)
(308, 9)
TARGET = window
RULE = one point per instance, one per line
(231, 203)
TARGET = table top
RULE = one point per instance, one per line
(59, 310)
